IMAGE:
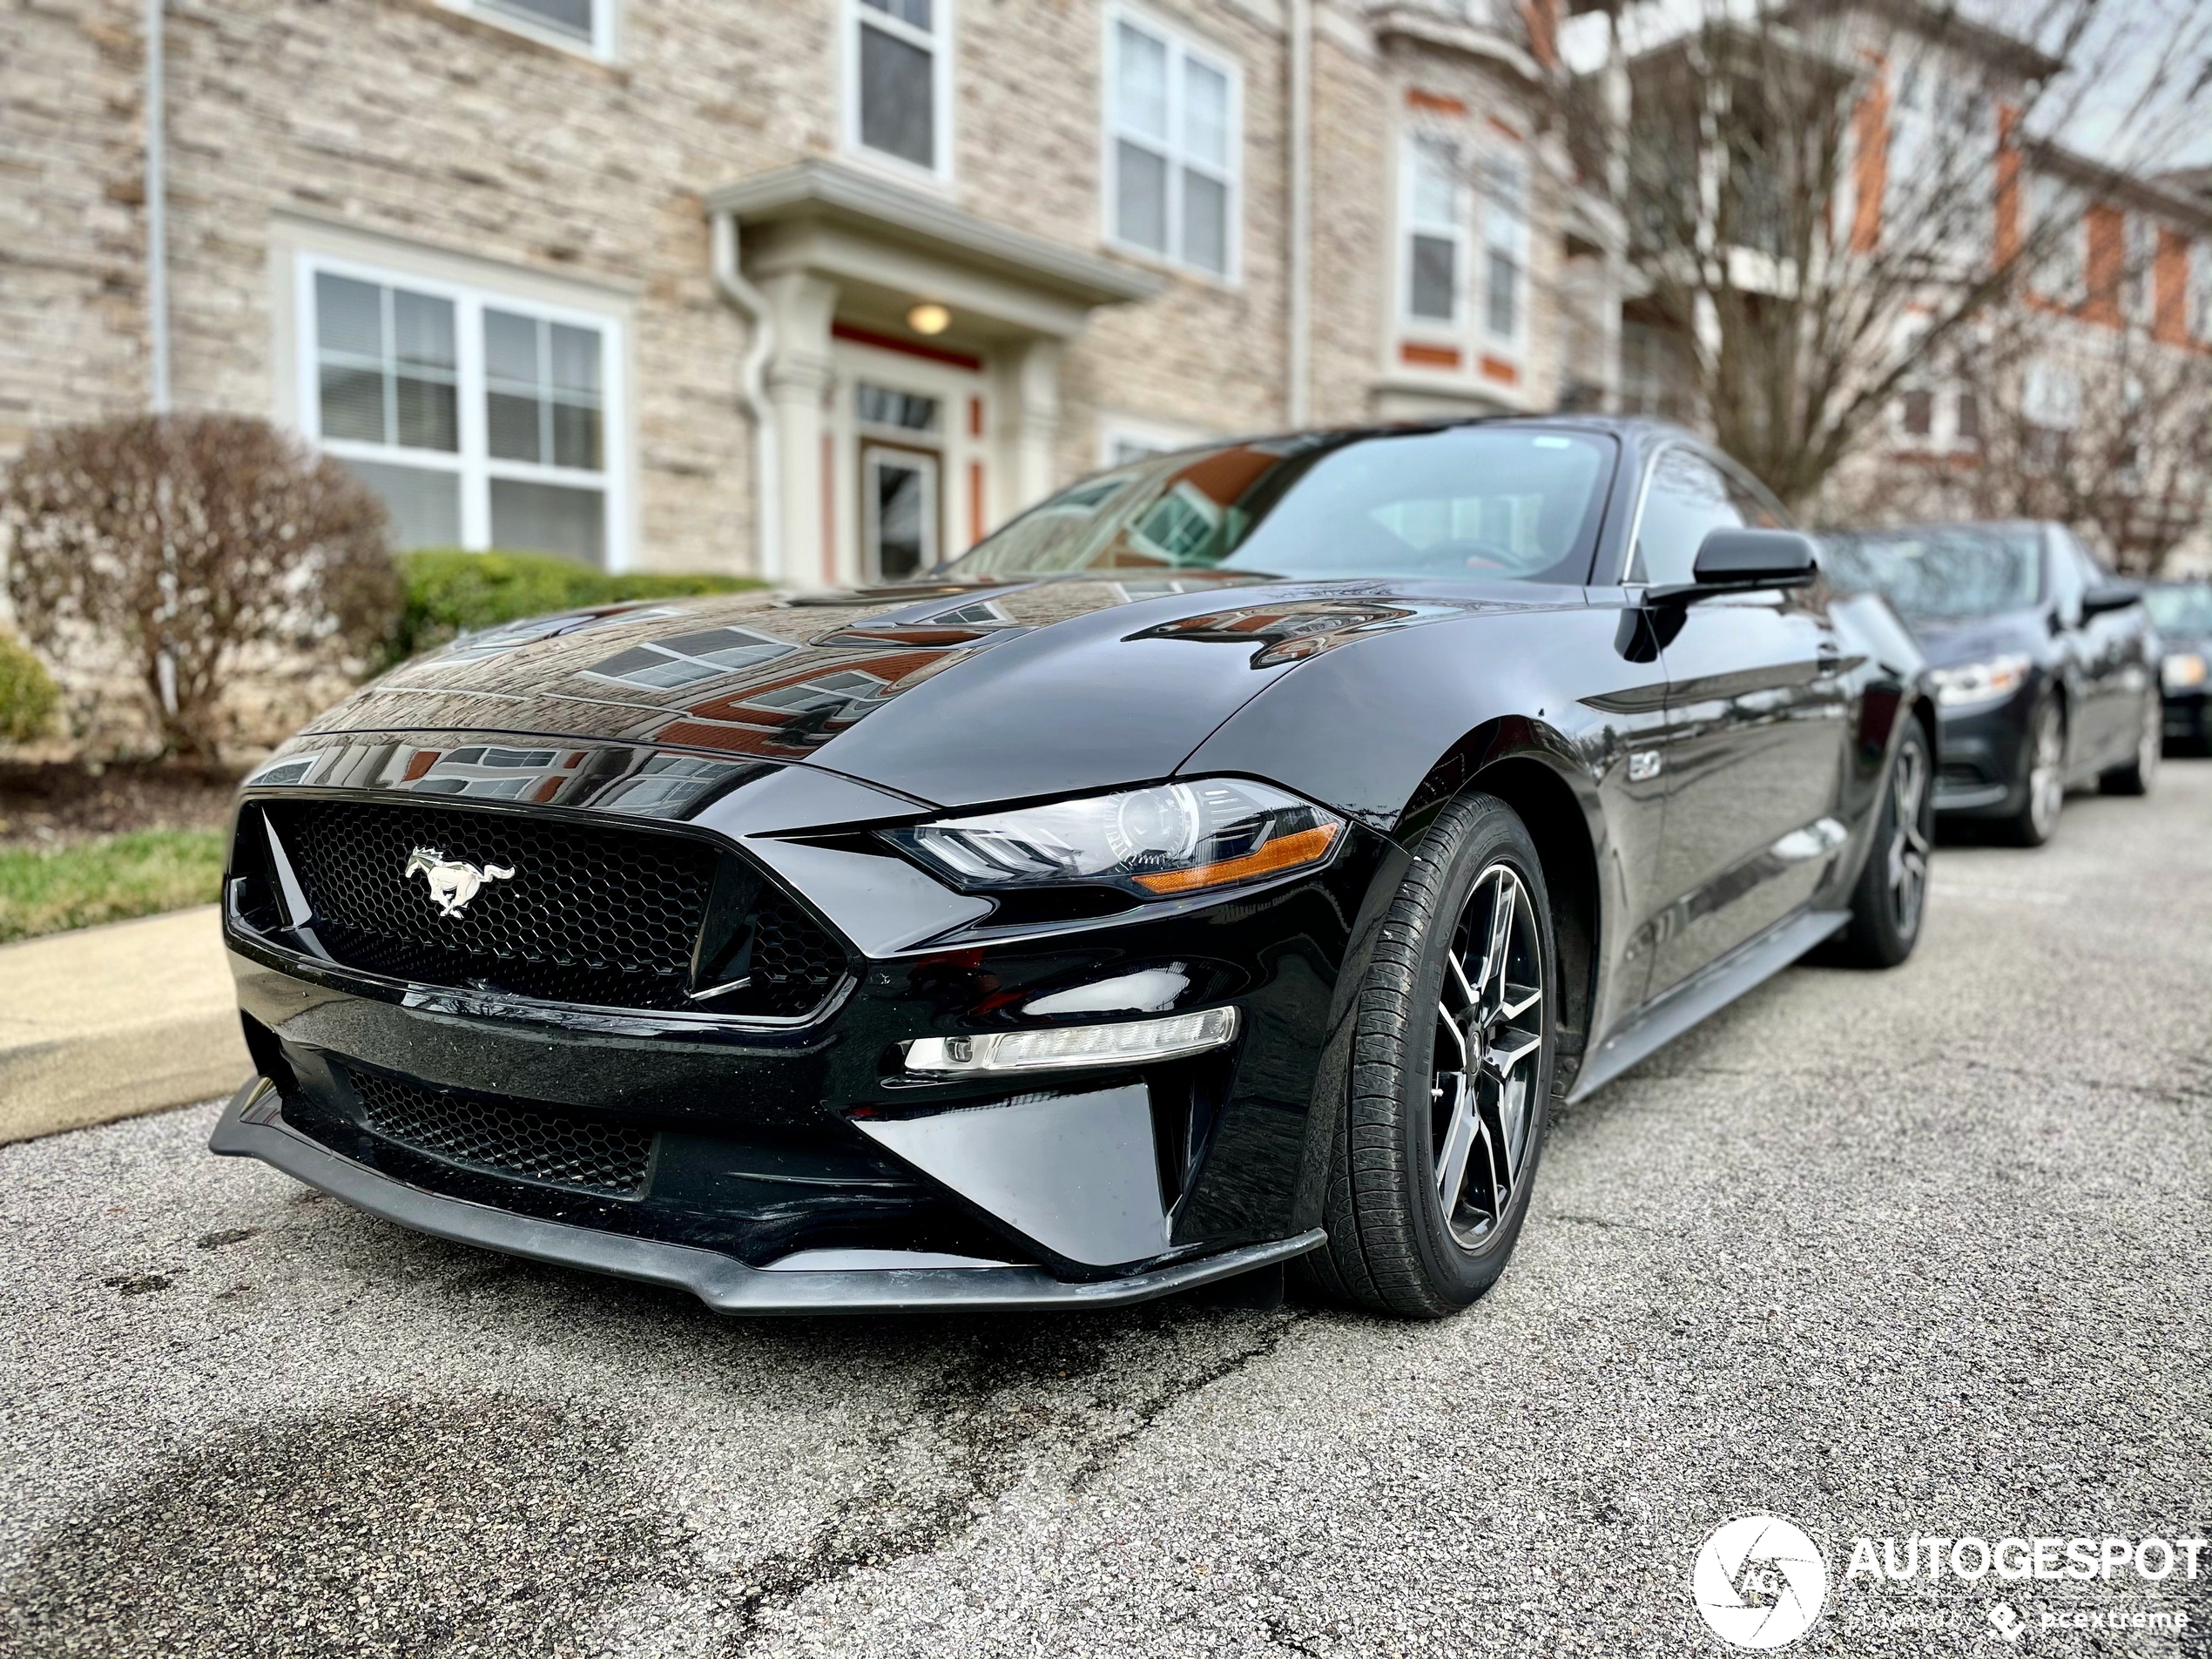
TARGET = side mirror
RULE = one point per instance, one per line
(2109, 596)
(1746, 558)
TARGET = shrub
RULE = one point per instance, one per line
(27, 693)
(449, 592)
(190, 539)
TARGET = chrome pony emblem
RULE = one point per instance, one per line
(452, 882)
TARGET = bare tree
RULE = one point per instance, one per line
(1815, 199)
(192, 539)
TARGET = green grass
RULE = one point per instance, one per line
(112, 879)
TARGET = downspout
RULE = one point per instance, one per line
(1299, 355)
(157, 189)
(742, 297)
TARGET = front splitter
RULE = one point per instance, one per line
(250, 1128)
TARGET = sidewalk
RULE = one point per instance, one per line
(108, 1023)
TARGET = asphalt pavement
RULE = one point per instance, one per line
(1881, 1254)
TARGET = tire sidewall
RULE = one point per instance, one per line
(1452, 1273)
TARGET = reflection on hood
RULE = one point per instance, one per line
(742, 674)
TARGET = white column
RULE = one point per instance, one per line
(1036, 383)
(799, 378)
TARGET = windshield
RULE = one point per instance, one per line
(1475, 502)
(2181, 610)
(1950, 571)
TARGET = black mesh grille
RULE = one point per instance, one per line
(507, 1139)
(604, 916)
(794, 962)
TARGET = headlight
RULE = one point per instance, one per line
(1989, 682)
(2182, 671)
(1160, 842)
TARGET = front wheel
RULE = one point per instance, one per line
(2137, 777)
(1893, 892)
(2043, 788)
(1454, 1052)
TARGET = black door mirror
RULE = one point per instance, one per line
(2108, 597)
(1747, 558)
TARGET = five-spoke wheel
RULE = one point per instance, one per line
(1489, 1035)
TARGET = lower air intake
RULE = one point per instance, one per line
(503, 1138)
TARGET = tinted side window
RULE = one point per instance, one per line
(1685, 498)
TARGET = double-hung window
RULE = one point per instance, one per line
(1435, 233)
(2062, 232)
(898, 79)
(1505, 245)
(2199, 289)
(482, 421)
(583, 25)
(1172, 135)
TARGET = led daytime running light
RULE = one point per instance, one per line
(1125, 1042)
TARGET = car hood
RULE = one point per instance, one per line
(1950, 642)
(951, 695)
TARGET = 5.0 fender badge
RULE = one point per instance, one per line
(453, 883)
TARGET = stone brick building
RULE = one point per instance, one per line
(813, 288)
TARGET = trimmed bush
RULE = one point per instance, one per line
(193, 541)
(448, 592)
(28, 695)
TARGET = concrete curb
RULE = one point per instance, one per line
(113, 1021)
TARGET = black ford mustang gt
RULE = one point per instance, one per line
(1227, 861)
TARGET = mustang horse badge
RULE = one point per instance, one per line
(452, 882)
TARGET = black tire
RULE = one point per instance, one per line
(2137, 776)
(1891, 897)
(1393, 1248)
(2042, 792)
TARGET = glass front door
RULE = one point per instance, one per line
(899, 512)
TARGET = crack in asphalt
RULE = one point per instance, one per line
(999, 1426)
(394, 1525)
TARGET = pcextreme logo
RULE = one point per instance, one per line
(1759, 1582)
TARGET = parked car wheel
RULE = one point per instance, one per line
(2137, 776)
(1454, 1051)
(1891, 894)
(2044, 784)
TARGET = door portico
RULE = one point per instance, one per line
(837, 263)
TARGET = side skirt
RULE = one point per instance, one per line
(1712, 989)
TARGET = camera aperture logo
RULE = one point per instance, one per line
(1759, 1582)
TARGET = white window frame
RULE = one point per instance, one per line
(472, 460)
(2139, 268)
(1411, 149)
(940, 44)
(1180, 50)
(600, 47)
(1493, 156)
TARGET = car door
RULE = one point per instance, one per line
(1757, 718)
(2108, 653)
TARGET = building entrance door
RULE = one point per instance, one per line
(899, 512)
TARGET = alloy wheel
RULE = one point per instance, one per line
(2046, 771)
(1908, 854)
(1489, 1041)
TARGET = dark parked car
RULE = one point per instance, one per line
(1229, 861)
(2045, 666)
(2183, 611)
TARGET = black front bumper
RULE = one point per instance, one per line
(775, 1170)
(2189, 718)
(254, 1126)
(1985, 759)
